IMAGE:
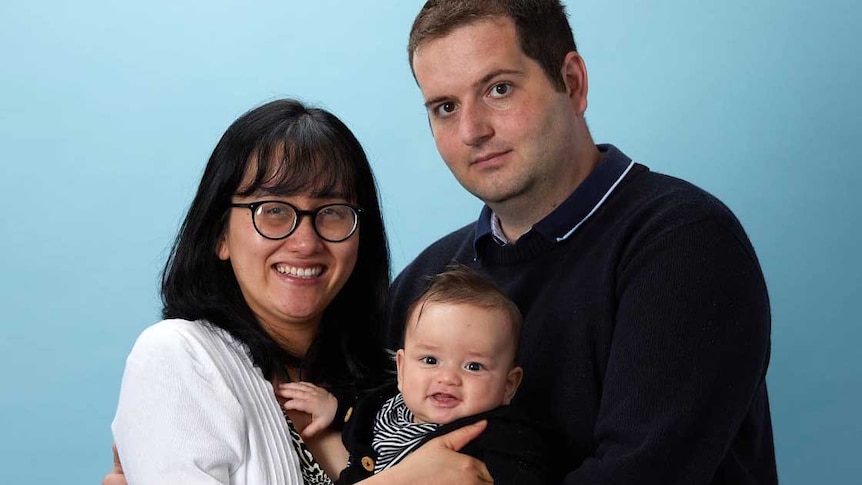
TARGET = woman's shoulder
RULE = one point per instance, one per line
(177, 337)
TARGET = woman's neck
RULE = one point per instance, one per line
(296, 339)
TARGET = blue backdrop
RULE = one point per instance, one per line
(108, 111)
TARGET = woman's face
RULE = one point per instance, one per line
(287, 283)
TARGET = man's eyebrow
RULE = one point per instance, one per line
(436, 100)
(484, 80)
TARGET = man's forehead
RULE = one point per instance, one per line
(469, 55)
(465, 34)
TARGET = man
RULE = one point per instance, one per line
(647, 325)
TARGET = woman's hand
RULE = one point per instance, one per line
(115, 476)
(438, 461)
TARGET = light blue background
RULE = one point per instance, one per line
(108, 111)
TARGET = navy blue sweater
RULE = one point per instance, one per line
(647, 329)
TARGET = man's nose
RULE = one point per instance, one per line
(474, 125)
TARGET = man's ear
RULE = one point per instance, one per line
(574, 73)
(399, 365)
(513, 380)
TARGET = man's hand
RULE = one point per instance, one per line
(438, 461)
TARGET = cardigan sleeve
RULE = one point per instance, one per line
(177, 421)
(687, 361)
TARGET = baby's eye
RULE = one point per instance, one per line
(474, 366)
(429, 360)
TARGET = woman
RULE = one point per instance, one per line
(278, 274)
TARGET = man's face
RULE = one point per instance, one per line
(500, 125)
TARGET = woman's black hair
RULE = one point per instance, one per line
(290, 149)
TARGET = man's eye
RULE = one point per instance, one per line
(500, 90)
(474, 366)
(429, 360)
(444, 109)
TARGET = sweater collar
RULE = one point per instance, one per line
(584, 201)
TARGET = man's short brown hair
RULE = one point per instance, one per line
(542, 26)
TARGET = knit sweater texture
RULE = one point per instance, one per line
(646, 329)
(194, 410)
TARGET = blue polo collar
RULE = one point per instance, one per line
(565, 220)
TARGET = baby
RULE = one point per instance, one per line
(457, 366)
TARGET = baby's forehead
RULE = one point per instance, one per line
(422, 307)
(430, 312)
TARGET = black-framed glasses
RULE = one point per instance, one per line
(274, 219)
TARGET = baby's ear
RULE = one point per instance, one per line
(513, 380)
(399, 365)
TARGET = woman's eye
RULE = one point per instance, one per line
(500, 90)
(429, 360)
(333, 212)
(474, 366)
(275, 211)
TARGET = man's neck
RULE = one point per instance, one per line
(518, 215)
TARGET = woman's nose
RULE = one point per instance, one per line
(304, 238)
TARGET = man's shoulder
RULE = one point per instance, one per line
(669, 199)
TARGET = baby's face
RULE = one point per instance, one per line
(457, 361)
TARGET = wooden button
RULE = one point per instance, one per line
(367, 463)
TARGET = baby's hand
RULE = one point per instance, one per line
(310, 399)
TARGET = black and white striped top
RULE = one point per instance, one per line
(395, 433)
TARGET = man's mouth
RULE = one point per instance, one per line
(489, 156)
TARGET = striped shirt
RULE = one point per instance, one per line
(395, 433)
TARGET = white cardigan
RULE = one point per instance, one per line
(194, 410)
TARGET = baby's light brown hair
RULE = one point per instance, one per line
(460, 284)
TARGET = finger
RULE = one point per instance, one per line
(300, 386)
(294, 393)
(484, 474)
(455, 440)
(118, 467)
(289, 393)
(114, 479)
(312, 429)
(297, 405)
(292, 387)
(115, 476)
(296, 390)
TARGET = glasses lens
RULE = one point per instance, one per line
(335, 222)
(275, 220)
